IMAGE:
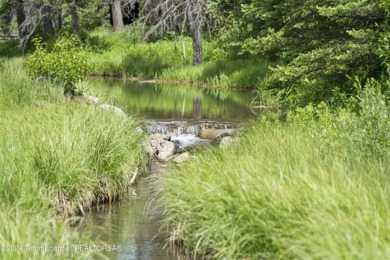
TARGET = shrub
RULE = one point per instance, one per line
(62, 63)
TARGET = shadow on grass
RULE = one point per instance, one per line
(9, 49)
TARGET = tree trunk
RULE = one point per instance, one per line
(20, 17)
(75, 18)
(47, 25)
(117, 18)
(59, 20)
(194, 16)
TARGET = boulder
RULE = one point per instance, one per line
(215, 133)
(181, 158)
(114, 109)
(162, 149)
(90, 99)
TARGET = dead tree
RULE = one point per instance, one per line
(117, 17)
(177, 15)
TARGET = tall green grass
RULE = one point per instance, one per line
(124, 54)
(221, 73)
(9, 49)
(26, 235)
(57, 157)
(67, 156)
(282, 192)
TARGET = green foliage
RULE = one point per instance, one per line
(243, 73)
(62, 63)
(63, 153)
(57, 156)
(368, 131)
(321, 43)
(363, 125)
(281, 192)
(384, 49)
(150, 59)
(9, 49)
(28, 231)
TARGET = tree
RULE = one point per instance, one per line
(73, 7)
(322, 43)
(176, 15)
(117, 17)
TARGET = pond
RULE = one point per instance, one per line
(178, 110)
(177, 101)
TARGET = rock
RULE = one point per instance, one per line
(163, 149)
(114, 109)
(227, 141)
(148, 148)
(214, 133)
(181, 157)
(90, 99)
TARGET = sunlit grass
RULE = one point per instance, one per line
(279, 193)
(171, 60)
(57, 157)
(26, 235)
(222, 73)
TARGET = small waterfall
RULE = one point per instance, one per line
(187, 133)
(173, 129)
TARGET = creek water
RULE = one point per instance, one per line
(181, 111)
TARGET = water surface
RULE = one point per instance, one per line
(177, 101)
(180, 111)
(131, 225)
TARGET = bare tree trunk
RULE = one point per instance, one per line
(47, 25)
(59, 20)
(20, 18)
(194, 17)
(117, 18)
(75, 18)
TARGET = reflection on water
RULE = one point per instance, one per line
(177, 102)
(127, 224)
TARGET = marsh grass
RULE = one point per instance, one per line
(280, 193)
(67, 156)
(57, 157)
(222, 73)
(170, 59)
(28, 231)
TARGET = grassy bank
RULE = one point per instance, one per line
(311, 188)
(124, 54)
(57, 157)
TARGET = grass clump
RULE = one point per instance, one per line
(26, 235)
(59, 153)
(221, 73)
(57, 157)
(67, 156)
(301, 189)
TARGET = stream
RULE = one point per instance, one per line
(181, 111)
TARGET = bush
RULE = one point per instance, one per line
(62, 63)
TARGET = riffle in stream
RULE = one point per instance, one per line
(167, 110)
